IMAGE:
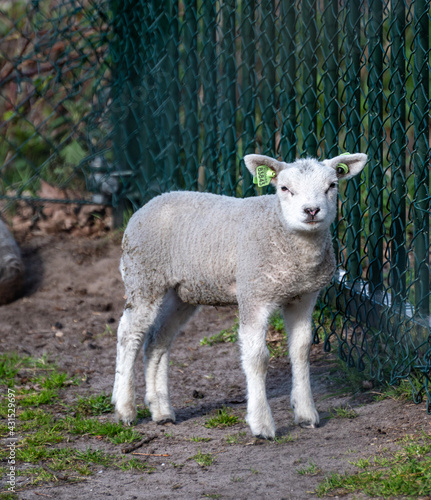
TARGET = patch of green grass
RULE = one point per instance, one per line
(237, 438)
(94, 405)
(229, 335)
(406, 472)
(276, 321)
(198, 439)
(71, 461)
(33, 397)
(348, 378)
(36, 382)
(46, 423)
(343, 412)
(130, 464)
(223, 418)
(402, 391)
(278, 350)
(203, 459)
(55, 380)
(276, 338)
(44, 437)
(144, 412)
(8, 496)
(11, 364)
(277, 346)
(285, 439)
(311, 470)
(116, 433)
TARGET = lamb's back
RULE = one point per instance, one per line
(187, 241)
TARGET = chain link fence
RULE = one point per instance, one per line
(118, 101)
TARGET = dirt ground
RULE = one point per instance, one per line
(70, 311)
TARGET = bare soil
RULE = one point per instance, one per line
(70, 310)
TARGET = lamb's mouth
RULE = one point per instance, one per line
(313, 221)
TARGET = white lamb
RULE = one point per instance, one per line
(183, 249)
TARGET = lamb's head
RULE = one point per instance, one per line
(307, 189)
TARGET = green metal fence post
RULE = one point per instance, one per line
(248, 89)
(208, 70)
(288, 94)
(267, 83)
(398, 153)
(421, 157)
(353, 132)
(168, 91)
(129, 138)
(375, 147)
(330, 89)
(228, 98)
(190, 133)
(309, 78)
(330, 77)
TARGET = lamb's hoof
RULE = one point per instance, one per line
(263, 431)
(267, 438)
(127, 417)
(165, 420)
(309, 425)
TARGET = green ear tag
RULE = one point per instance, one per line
(264, 175)
(342, 168)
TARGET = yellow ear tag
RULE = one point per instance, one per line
(264, 175)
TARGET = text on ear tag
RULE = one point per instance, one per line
(263, 176)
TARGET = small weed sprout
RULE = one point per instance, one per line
(203, 459)
(222, 419)
(229, 335)
(236, 438)
(198, 439)
(285, 439)
(94, 405)
(343, 412)
(311, 470)
(402, 391)
(143, 412)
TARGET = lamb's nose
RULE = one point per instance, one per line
(312, 211)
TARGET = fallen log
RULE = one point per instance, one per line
(11, 266)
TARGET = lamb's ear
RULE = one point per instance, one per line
(347, 165)
(254, 161)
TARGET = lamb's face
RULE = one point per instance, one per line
(307, 190)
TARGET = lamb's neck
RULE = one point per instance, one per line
(315, 245)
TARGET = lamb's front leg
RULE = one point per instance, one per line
(255, 359)
(297, 319)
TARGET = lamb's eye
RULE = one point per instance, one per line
(284, 188)
(331, 186)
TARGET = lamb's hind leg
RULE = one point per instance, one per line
(133, 326)
(173, 314)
